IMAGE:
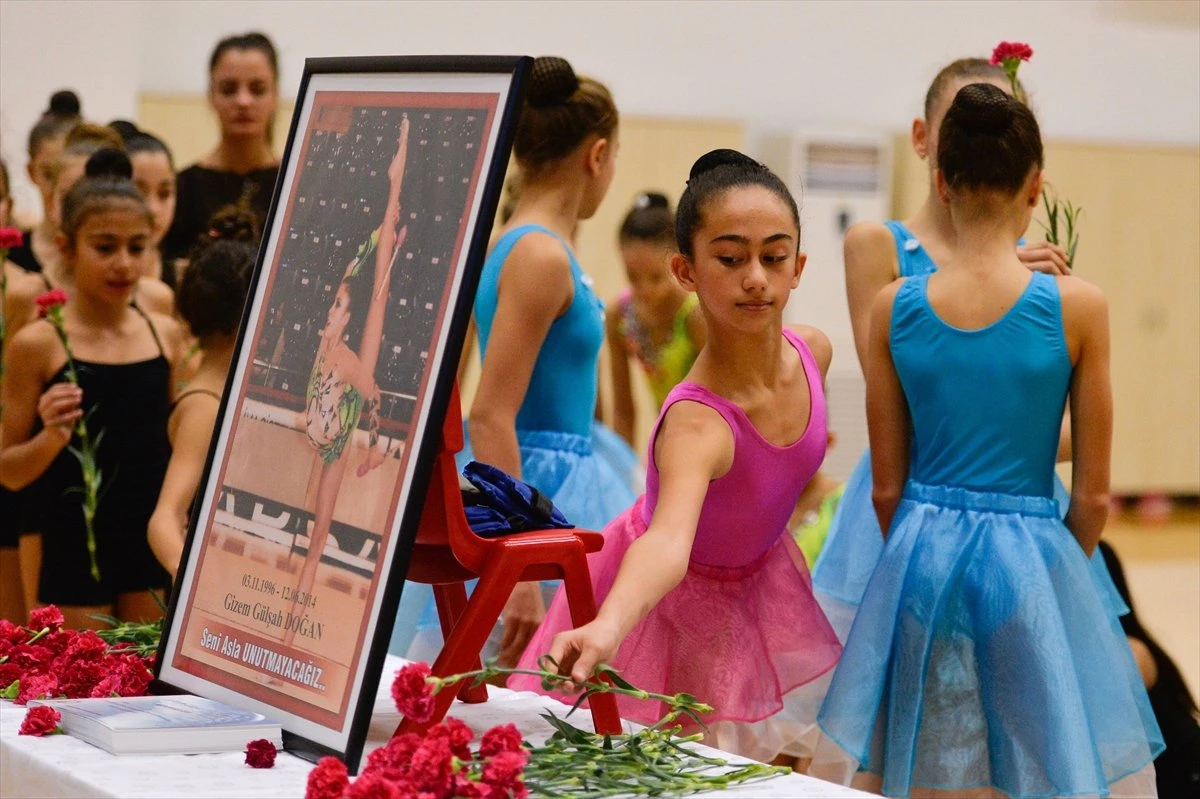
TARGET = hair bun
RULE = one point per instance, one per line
(982, 108)
(127, 129)
(64, 103)
(109, 162)
(718, 158)
(234, 223)
(552, 81)
(651, 199)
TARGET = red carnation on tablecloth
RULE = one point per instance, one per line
(40, 720)
(31, 657)
(127, 676)
(328, 780)
(260, 753)
(432, 766)
(412, 692)
(499, 739)
(36, 686)
(9, 673)
(457, 734)
(49, 617)
(12, 633)
(503, 773)
(373, 786)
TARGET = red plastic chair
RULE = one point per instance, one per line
(447, 554)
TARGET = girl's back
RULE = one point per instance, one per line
(986, 403)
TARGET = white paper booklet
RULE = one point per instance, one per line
(145, 725)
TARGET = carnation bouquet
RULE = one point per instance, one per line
(654, 761)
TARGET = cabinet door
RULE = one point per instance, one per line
(1140, 243)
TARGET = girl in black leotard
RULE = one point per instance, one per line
(124, 357)
(210, 300)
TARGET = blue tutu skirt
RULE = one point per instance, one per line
(983, 654)
(854, 544)
(591, 480)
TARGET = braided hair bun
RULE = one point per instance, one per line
(552, 81)
(64, 103)
(983, 108)
(719, 158)
(109, 162)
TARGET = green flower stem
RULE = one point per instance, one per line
(654, 761)
(86, 454)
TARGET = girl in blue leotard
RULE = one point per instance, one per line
(984, 660)
(541, 327)
(875, 255)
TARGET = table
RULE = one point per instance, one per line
(62, 766)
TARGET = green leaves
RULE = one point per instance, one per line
(653, 761)
(1061, 225)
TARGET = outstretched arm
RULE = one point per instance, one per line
(694, 447)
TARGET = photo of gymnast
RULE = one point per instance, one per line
(333, 379)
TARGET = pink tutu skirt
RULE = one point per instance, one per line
(745, 640)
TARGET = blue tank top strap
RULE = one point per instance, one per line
(911, 257)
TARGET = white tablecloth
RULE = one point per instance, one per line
(62, 766)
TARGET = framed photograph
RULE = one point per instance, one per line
(304, 522)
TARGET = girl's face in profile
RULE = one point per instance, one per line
(339, 312)
(155, 179)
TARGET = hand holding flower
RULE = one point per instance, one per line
(1046, 256)
(62, 405)
(578, 652)
(60, 409)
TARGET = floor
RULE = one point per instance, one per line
(1162, 566)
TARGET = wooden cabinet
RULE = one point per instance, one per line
(1140, 242)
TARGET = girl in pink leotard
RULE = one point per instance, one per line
(702, 590)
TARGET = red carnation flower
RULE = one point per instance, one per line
(55, 298)
(9, 673)
(49, 616)
(10, 237)
(432, 767)
(501, 738)
(412, 693)
(328, 780)
(81, 678)
(503, 773)
(31, 656)
(1006, 50)
(260, 754)
(457, 734)
(373, 786)
(465, 788)
(36, 686)
(391, 760)
(39, 721)
(12, 633)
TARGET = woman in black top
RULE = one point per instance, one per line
(1177, 769)
(241, 169)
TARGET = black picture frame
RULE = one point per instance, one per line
(240, 601)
